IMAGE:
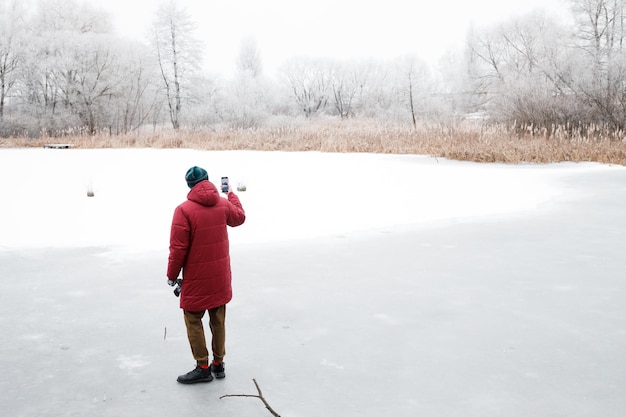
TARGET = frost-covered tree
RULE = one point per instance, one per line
(249, 93)
(71, 16)
(67, 71)
(346, 82)
(520, 71)
(136, 96)
(414, 86)
(178, 54)
(249, 59)
(533, 70)
(80, 74)
(599, 39)
(309, 83)
(454, 87)
(374, 97)
(12, 47)
(91, 77)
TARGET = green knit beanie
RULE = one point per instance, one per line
(194, 175)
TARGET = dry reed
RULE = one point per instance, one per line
(467, 142)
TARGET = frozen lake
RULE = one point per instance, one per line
(412, 288)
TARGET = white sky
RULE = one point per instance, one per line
(327, 28)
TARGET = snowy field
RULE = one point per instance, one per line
(364, 285)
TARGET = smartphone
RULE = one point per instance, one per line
(224, 184)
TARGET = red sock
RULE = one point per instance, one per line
(204, 366)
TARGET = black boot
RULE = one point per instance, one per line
(218, 370)
(197, 375)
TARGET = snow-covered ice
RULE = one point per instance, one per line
(365, 285)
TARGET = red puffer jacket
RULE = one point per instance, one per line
(199, 246)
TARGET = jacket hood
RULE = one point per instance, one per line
(204, 193)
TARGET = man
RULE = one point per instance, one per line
(199, 247)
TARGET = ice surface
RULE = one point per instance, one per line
(365, 285)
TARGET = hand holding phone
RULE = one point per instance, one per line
(225, 186)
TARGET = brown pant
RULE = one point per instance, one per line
(195, 334)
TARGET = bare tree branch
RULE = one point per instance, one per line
(259, 396)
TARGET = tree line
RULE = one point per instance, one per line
(63, 70)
